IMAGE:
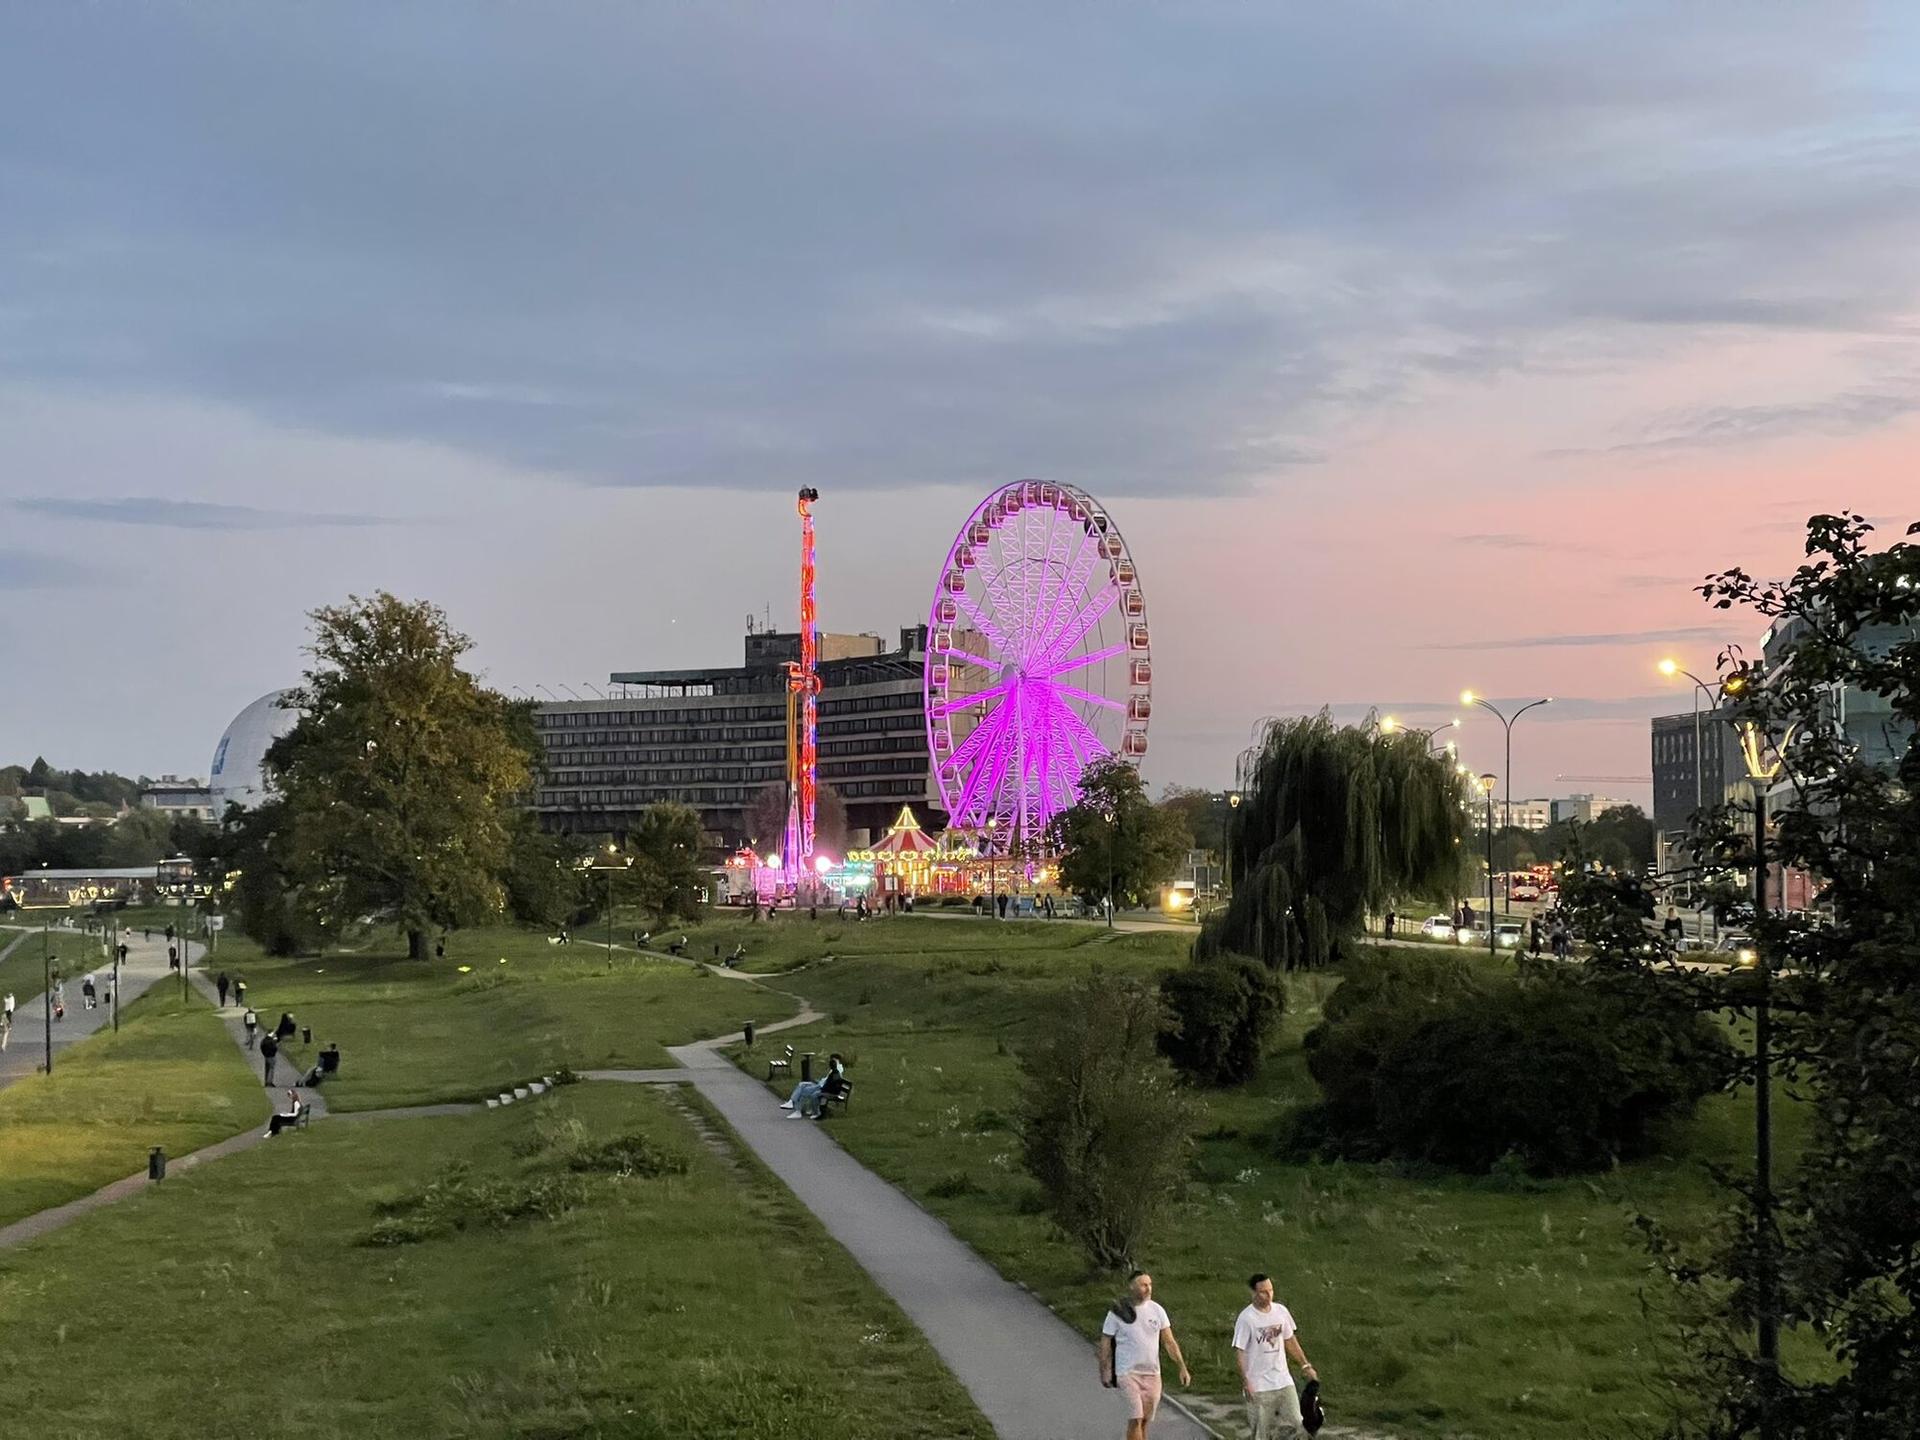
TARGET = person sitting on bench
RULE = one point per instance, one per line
(732, 961)
(283, 1120)
(679, 947)
(809, 1098)
(326, 1065)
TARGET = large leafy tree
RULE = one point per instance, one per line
(399, 784)
(1114, 841)
(666, 870)
(1848, 1230)
(1338, 821)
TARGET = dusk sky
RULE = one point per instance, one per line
(1412, 347)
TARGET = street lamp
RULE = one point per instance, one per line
(993, 872)
(611, 867)
(1486, 787)
(1233, 810)
(1467, 697)
(1764, 761)
(1389, 726)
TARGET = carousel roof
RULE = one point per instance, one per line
(904, 836)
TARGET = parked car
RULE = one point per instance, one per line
(1437, 927)
(1509, 935)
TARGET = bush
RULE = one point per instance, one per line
(454, 1201)
(1220, 1013)
(1460, 1070)
(1104, 1124)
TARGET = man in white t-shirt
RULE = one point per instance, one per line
(1130, 1342)
(1263, 1337)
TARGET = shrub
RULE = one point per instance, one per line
(1221, 1011)
(1104, 1124)
(454, 1200)
(1459, 1070)
(627, 1155)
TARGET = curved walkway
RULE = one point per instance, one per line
(1032, 1375)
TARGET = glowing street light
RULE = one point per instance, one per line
(1467, 697)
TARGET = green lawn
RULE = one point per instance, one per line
(24, 971)
(791, 940)
(418, 1031)
(242, 1300)
(1435, 1306)
(171, 1077)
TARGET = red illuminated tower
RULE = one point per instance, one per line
(803, 730)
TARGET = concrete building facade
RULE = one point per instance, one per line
(173, 796)
(716, 739)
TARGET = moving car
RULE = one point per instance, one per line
(1437, 927)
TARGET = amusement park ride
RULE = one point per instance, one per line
(1038, 663)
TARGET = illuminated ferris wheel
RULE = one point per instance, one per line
(1038, 660)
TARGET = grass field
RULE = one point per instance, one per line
(24, 971)
(171, 1077)
(1435, 1306)
(242, 1300)
(418, 1031)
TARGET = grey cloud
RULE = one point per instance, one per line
(1506, 541)
(189, 514)
(1712, 427)
(32, 570)
(1679, 635)
(886, 245)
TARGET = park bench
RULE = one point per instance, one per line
(783, 1065)
(678, 947)
(828, 1100)
(302, 1113)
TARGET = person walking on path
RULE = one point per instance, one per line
(89, 992)
(269, 1052)
(1263, 1337)
(1391, 917)
(1130, 1342)
(239, 992)
(123, 952)
(221, 985)
(173, 957)
(6, 1019)
(59, 997)
(252, 1022)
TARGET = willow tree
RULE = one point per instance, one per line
(1335, 822)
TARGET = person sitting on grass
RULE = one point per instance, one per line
(809, 1098)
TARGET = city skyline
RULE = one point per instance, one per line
(1410, 352)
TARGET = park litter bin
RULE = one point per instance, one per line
(747, 1030)
(156, 1163)
(806, 1066)
(306, 1035)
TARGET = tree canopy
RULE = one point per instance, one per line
(1115, 842)
(1845, 809)
(399, 784)
(1337, 822)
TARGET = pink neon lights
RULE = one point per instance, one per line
(1038, 663)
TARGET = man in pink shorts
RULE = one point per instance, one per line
(1130, 1342)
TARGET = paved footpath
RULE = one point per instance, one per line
(26, 1051)
(1032, 1375)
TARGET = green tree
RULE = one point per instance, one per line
(1105, 1128)
(1847, 1227)
(1338, 822)
(1115, 842)
(666, 872)
(545, 879)
(401, 779)
(1203, 812)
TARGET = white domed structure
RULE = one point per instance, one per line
(234, 777)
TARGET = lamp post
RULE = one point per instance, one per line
(1389, 726)
(993, 872)
(46, 965)
(1764, 763)
(610, 866)
(1486, 787)
(1467, 697)
(1670, 668)
(1226, 878)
